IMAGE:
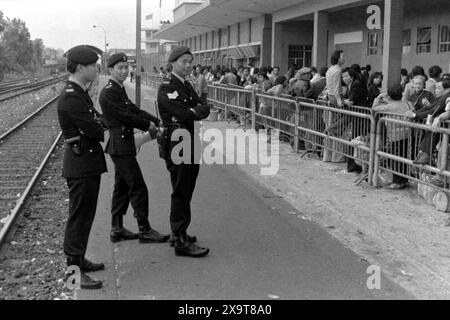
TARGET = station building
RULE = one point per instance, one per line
(387, 34)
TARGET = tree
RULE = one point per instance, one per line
(38, 52)
(6, 61)
(16, 37)
(2, 23)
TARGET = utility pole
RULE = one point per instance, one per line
(105, 54)
(138, 51)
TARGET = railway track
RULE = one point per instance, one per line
(24, 151)
(4, 85)
(10, 91)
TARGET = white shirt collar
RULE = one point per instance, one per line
(179, 77)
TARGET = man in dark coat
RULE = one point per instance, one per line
(180, 107)
(84, 161)
(121, 117)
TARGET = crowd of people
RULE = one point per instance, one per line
(416, 96)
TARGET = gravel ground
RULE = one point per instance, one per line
(15, 110)
(32, 264)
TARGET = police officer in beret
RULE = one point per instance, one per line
(122, 116)
(180, 106)
(84, 161)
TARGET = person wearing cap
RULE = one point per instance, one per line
(122, 116)
(84, 161)
(300, 86)
(180, 106)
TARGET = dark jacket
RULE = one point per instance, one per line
(301, 88)
(175, 101)
(318, 87)
(357, 93)
(437, 108)
(372, 93)
(416, 99)
(122, 116)
(78, 118)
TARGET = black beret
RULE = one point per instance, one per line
(83, 54)
(116, 58)
(178, 52)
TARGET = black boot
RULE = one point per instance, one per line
(86, 282)
(88, 266)
(118, 232)
(173, 239)
(188, 249)
(148, 235)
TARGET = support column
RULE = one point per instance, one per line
(393, 42)
(277, 46)
(320, 44)
(266, 44)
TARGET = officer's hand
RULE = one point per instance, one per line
(202, 111)
(102, 123)
(152, 127)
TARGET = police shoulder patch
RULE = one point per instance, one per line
(173, 96)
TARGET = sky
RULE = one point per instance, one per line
(66, 23)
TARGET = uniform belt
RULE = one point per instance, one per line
(119, 129)
(72, 140)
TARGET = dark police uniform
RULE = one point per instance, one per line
(83, 163)
(180, 106)
(122, 116)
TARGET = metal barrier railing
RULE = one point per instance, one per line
(398, 143)
(232, 101)
(152, 80)
(277, 113)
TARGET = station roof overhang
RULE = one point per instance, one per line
(215, 14)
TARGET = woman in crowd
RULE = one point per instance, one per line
(252, 83)
(300, 85)
(409, 88)
(264, 82)
(374, 87)
(420, 98)
(279, 87)
(222, 77)
(397, 135)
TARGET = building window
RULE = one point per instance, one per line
(299, 55)
(406, 41)
(200, 42)
(372, 46)
(444, 38)
(424, 40)
(195, 43)
(212, 39)
(229, 35)
(250, 31)
(206, 40)
(190, 43)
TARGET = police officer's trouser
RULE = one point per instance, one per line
(183, 178)
(83, 195)
(129, 187)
